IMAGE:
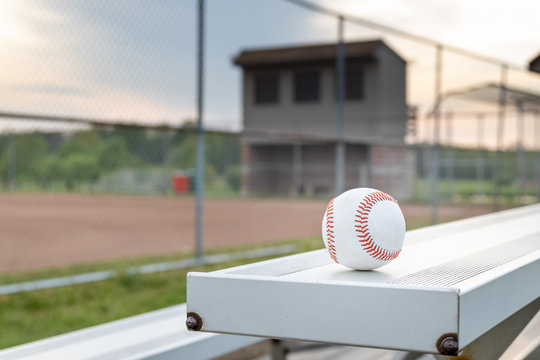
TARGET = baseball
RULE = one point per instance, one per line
(363, 229)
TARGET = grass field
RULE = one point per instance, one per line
(34, 315)
(473, 192)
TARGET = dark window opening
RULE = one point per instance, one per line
(354, 85)
(306, 86)
(354, 82)
(267, 88)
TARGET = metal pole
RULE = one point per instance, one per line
(436, 136)
(297, 167)
(449, 156)
(520, 151)
(498, 163)
(480, 156)
(340, 144)
(200, 134)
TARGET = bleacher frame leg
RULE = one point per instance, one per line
(278, 350)
(494, 343)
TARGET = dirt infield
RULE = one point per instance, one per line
(40, 231)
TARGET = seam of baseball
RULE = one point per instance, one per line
(330, 230)
(362, 214)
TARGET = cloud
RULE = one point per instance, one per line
(490, 27)
(138, 59)
(100, 58)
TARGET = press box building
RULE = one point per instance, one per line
(290, 119)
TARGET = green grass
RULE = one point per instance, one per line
(467, 191)
(35, 315)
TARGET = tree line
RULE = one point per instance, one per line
(83, 157)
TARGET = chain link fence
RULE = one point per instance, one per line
(99, 134)
(107, 109)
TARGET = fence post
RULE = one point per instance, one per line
(480, 176)
(340, 145)
(520, 154)
(200, 134)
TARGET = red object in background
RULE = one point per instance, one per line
(180, 183)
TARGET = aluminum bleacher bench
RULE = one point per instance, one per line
(159, 334)
(468, 287)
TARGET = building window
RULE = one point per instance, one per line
(306, 86)
(354, 82)
(354, 86)
(267, 88)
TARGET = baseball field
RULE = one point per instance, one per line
(45, 230)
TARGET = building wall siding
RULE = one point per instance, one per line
(315, 120)
(273, 169)
(392, 170)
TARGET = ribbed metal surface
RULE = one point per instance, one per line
(455, 271)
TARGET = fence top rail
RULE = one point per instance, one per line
(123, 123)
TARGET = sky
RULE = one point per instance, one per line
(136, 60)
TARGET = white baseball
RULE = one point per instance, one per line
(363, 229)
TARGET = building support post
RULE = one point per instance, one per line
(498, 163)
(200, 134)
(297, 168)
(480, 166)
(340, 144)
(436, 136)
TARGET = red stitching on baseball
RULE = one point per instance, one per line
(330, 230)
(363, 210)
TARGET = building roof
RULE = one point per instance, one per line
(490, 93)
(322, 53)
(534, 64)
